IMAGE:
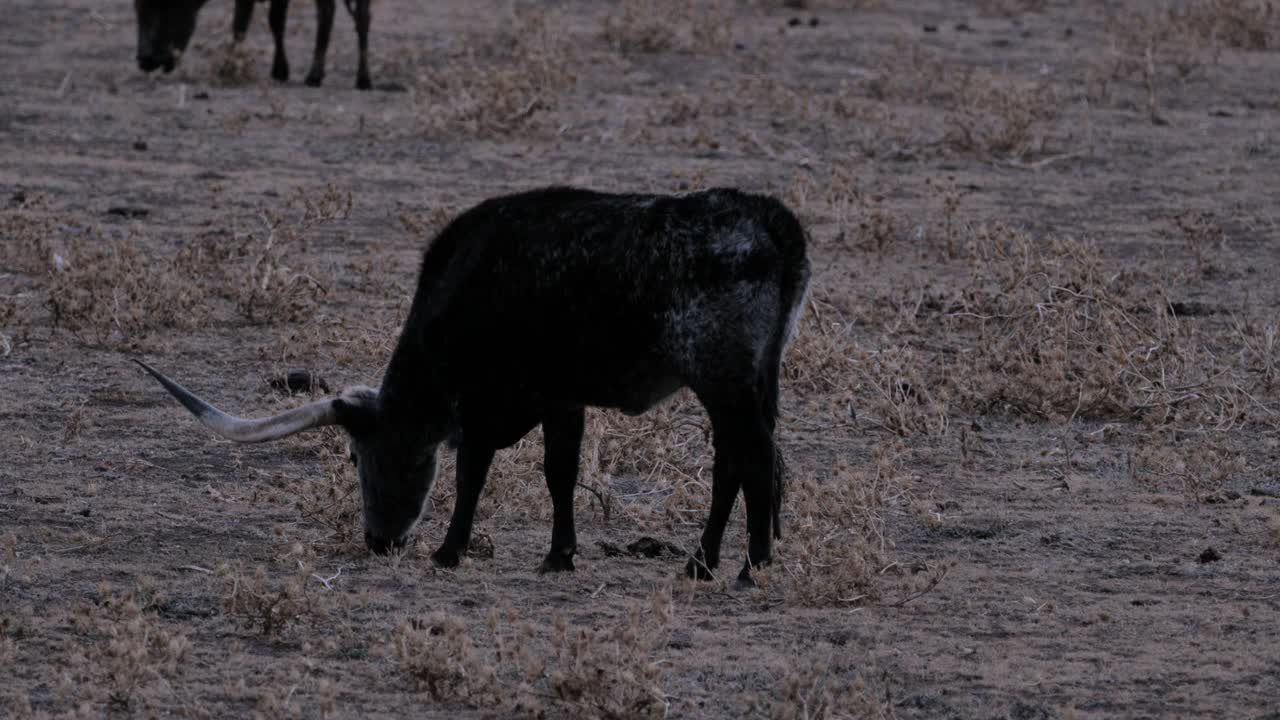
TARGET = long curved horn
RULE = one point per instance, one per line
(311, 415)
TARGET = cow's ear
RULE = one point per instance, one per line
(357, 410)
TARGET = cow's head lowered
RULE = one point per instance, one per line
(396, 470)
(164, 29)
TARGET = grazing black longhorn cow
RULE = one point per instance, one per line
(165, 28)
(532, 307)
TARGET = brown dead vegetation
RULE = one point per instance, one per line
(945, 353)
(1163, 46)
(514, 666)
(269, 603)
(647, 26)
(837, 548)
(129, 656)
(500, 85)
(109, 287)
(821, 689)
(1064, 334)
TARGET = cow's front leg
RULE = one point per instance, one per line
(472, 471)
(240, 21)
(276, 15)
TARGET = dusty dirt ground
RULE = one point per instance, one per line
(1030, 420)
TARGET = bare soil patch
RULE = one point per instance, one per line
(1031, 417)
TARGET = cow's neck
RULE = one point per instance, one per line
(411, 395)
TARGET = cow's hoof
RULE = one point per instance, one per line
(364, 83)
(445, 557)
(280, 71)
(698, 569)
(314, 79)
(558, 561)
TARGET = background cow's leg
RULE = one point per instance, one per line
(275, 17)
(324, 24)
(562, 436)
(240, 21)
(360, 11)
(472, 471)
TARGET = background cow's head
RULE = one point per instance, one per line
(164, 29)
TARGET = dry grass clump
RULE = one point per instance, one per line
(821, 690)
(1204, 238)
(1056, 338)
(298, 690)
(1001, 115)
(820, 358)
(14, 326)
(1172, 42)
(273, 603)
(234, 65)
(1242, 24)
(897, 388)
(108, 288)
(758, 104)
(77, 421)
(439, 658)
(1064, 334)
(502, 85)
(985, 112)
(613, 672)
(860, 217)
(1199, 465)
(10, 561)
(646, 26)
(123, 649)
(426, 225)
(271, 274)
(103, 285)
(916, 74)
(27, 231)
(1146, 46)
(361, 343)
(835, 545)
(513, 666)
(902, 390)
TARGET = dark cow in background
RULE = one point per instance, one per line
(532, 307)
(165, 28)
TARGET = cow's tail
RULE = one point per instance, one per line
(789, 238)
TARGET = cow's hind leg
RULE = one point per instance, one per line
(324, 24)
(562, 435)
(744, 458)
(724, 493)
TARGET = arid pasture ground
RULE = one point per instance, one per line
(1031, 418)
